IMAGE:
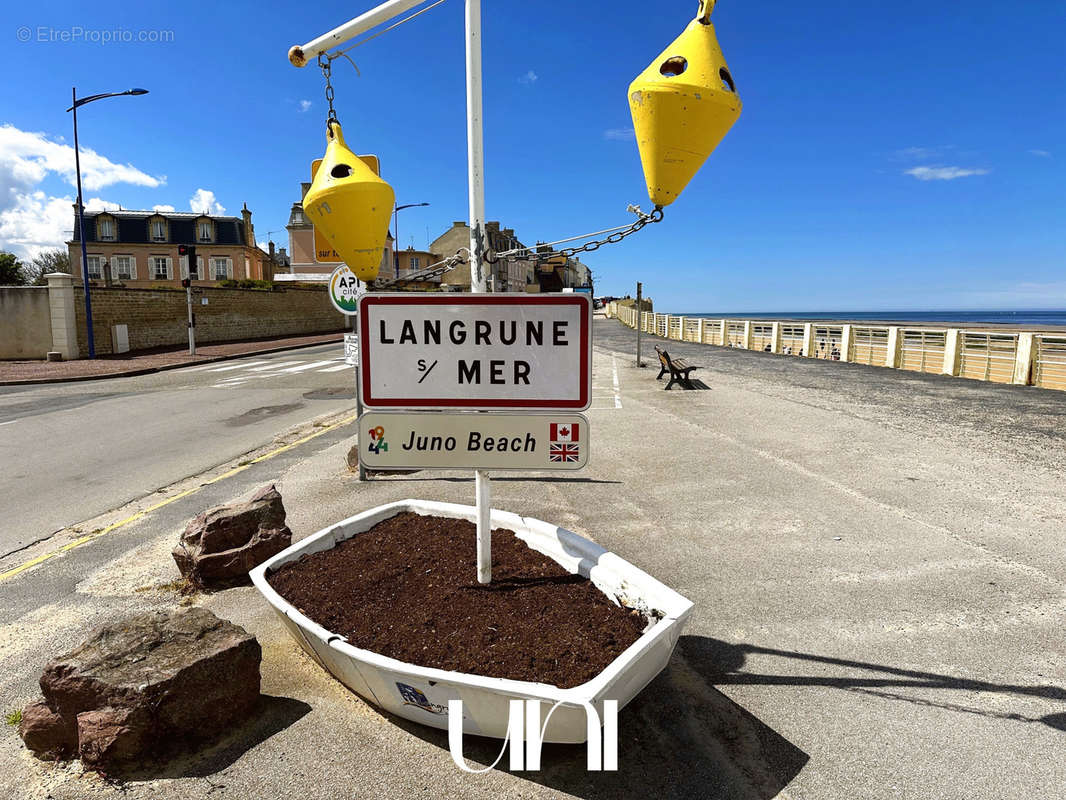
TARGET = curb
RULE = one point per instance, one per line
(148, 370)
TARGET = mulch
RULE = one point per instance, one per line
(408, 589)
(142, 361)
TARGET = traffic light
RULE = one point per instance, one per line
(185, 283)
(189, 250)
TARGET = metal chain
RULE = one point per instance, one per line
(430, 272)
(326, 65)
(569, 252)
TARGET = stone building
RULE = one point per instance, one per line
(504, 276)
(139, 249)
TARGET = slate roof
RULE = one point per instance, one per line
(133, 227)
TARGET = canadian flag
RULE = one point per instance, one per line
(564, 432)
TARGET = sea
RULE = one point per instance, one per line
(1029, 319)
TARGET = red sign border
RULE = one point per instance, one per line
(488, 299)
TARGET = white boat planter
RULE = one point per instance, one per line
(421, 694)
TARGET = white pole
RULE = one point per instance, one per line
(192, 330)
(475, 153)
(299, 55)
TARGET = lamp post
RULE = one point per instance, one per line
(81, 205)
(396, 227)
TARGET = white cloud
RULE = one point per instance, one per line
(204, 202)
(1041, 153)
(162, 208)
(27, 157)
(943, 173)
(529, 78)
(31, 219)
(919, 153)
(304, 105)
(619, 134)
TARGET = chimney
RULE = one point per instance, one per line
(270, 250)
(249, 231)
(303, 190)
(283, 252)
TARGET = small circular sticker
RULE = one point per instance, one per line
(343, 289)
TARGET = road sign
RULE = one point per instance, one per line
(351, 349)
(343, 290)
(476, 351)
(324, 252)
(464, 440)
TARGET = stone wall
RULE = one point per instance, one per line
(157, 317)
(25, 322)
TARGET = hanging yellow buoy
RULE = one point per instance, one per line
(350, 206)
(683, 105)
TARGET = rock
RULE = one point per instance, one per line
(353, 459)
(46, 733)
(142, 686)
(220, 546)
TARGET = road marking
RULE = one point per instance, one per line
(337, 368)
(33, 562)
(238, 366)
(9, 422)
(312, 365)
(276, 365)
(617, 390)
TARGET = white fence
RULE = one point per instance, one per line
(1000, 356)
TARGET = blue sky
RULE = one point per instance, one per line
(902, 156)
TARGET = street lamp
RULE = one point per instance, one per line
(396, 227)
(81, 207)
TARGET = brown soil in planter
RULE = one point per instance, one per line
(408, 589)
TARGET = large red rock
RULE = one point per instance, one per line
(141, 687)
(219, 547)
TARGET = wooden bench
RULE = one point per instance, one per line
(677, 367)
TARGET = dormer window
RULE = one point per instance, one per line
(157, 229)
(105, 228)
(205, 231)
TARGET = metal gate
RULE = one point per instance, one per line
(988, 356)
(871, 346)
(923, 350)
(1050, 362)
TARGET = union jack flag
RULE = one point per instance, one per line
(564, 453)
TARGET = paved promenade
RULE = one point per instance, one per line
(877, 560)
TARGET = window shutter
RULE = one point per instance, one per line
(112, 264)
(229, 267)
(133, 268)
(184, 262)
(170, 268)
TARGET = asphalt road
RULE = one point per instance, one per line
(74, 450)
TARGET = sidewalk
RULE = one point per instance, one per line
(144, 361)
(879, 582)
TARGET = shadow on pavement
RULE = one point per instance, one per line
(723, 662)
(679, 738)
(275, 715)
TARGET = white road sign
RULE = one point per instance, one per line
(465, 440)
(351, 349)
(477, 351)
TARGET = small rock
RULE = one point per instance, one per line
(220, 546)
(141, 686)
(46, 733)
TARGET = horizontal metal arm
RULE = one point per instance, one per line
(299, 55)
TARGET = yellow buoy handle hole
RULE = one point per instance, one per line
(341, 171)
(674, 66)
(727, 80)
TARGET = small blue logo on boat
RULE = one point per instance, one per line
(413, 697)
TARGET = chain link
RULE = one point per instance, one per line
(326, 65)
(569, 252)
(430, 272)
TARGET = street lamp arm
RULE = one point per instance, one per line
(83, 100)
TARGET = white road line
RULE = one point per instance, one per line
(238, 366)
(312, 365)
(227, 384)
(337, 368)
(617, 389)
(9, 422)
(276, 365)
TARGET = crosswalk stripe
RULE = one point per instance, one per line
(312, 365)
(275, 365)
(237, 366)
(337, 368)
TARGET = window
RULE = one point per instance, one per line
(159, 230)
(205, 231)
(122, 268)
(105, 229)
(220, 268)
(415, 262)
(95, 264)
(160, 268)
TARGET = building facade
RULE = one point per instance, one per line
(506, 275)
(139, 249)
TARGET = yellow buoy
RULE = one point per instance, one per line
(350, 206)
(683, 105)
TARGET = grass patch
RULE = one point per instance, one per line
(13, 718)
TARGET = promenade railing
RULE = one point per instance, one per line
(1001, 356)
